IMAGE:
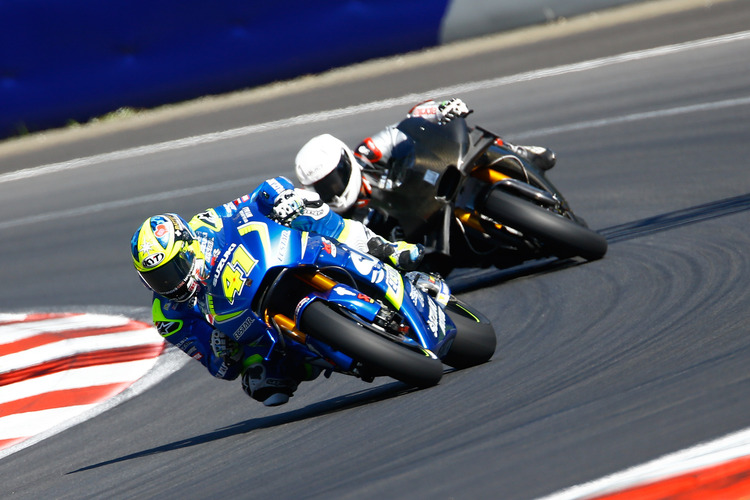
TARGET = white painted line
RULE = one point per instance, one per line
(116, 204)
(648, 115)
(180, 193)
(372, 106)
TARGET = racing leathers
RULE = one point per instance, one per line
(197, 328)
(381, 147)
(376, 155)
(390, 142)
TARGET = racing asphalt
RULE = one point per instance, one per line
(600, 366)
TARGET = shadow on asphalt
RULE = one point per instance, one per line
(461, 280)
(330, 406)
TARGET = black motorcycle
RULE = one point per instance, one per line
(473, 203)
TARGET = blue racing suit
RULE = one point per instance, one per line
(189, 325)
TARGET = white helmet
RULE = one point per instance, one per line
(326, 165)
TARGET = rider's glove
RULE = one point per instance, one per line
(453, 108)
(431, 284)
(225, 348)
(287, 207)
(401, 255)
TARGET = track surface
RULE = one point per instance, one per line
(599, 366)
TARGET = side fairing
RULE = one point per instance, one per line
(252, 246)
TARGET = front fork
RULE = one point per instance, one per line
(488, 176)
(469, 216)
(287, 325)
(326, 358)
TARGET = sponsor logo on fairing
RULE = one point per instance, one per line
(329, 247)
(344, 291)
(393, 279)
(377, 275)
(283, 246)
(276, 186)
(432, 320)
(243, 328)
(223, 262)
(417, 297)
(215, 255)
(246, 214)
(441, 321)
(436, 319)
(364, 264)
(242, 199)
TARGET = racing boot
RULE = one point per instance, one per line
(431, 284)
(541, 157)
(273, 384)
(271, 389)
(401, 255)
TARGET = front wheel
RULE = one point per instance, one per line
(475, 340)
(561, 236)
(373, 351)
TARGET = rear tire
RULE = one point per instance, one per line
(563, 237)
(373, 351)
(475, 340)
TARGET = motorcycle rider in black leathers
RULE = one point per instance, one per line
(344, 179)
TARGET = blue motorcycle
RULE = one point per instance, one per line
(342, 310)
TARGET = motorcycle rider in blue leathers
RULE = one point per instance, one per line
(176, 259)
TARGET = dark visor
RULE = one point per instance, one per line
(335, 183)
(167, 279)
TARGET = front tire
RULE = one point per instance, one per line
(475, 340)
(563, 237)
(373, 351)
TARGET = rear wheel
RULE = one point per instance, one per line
(375, 352)
(475, 340)
(561, 236)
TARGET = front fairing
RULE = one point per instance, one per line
(256, 247)
(250, 248)
(410, 189)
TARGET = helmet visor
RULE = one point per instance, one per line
(170, 279)
(335, 182)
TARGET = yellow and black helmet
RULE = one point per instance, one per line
(167, 256)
